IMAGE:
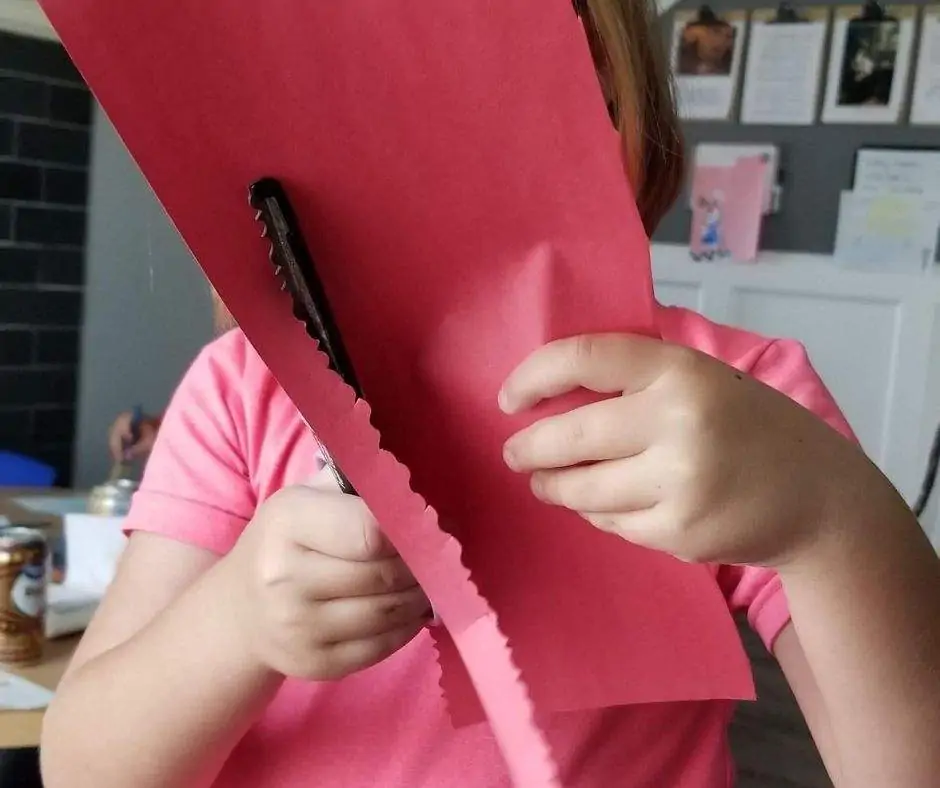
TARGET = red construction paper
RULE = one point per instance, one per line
(461, 189)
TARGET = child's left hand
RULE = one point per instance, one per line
(692, 457)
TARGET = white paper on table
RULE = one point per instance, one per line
(925, 105)
(783, 74)
(859, 53)
(58, 505)
(93, 546)
(722, 154)
(706, 86)
(888, 232)
(18, 694)
(70, 608)
(898, 171)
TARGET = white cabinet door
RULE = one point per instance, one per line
(851, 343)
(873, 338)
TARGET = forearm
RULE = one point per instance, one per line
(164, 709)
(865, 604)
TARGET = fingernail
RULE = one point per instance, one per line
(503, 400)
(538, 489)
(509, 457)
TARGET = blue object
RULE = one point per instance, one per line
(137, 419)
(17, 470)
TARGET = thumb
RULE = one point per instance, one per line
(324, 480)
(327, 481)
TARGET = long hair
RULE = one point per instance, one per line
(630, 56)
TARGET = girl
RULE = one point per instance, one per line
(261, 632)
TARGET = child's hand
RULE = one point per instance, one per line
(323, 592)
(121, 438)
(695, 458)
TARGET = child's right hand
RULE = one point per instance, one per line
(322, 592)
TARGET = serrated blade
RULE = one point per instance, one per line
(294, 266)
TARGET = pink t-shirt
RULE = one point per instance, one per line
(231, 438)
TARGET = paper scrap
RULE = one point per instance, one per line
(889, 232)
(722, 154)
(911, 172)
(18, 694)
(462, 191)
(783, 75)
(726, 209)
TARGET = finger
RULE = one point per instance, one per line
(324, 481)
(148, 440)
(331, 523)
(116, 447)
(324, 577)
(137, 450)
(605, 363)
(352, 655)
(625, 485)
(118, 438)
(357, 618)
(606, 430)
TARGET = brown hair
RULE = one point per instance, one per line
(222, 319)
(630, 56)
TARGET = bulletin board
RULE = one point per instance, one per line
(817, 162)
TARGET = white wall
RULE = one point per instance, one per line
(147, 310)
(25, 18)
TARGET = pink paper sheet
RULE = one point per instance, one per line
(460, 186)
(727, 209)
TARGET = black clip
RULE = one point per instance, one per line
(787, 15)
(706, 16)
(873, 11)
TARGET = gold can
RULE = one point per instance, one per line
(23, 559)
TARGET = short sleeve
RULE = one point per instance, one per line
(196, 486)
(758, 592)
(785, 366)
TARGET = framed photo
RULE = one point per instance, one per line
(869, 66)
(706, 59)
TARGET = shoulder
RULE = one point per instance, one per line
(228, 358)
(224, 442)
(736, 347)
(228, 378)
(782, 364)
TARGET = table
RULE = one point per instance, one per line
(22, 728)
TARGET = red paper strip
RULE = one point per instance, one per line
(458, 182)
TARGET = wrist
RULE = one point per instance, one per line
(229, 600)
(858, 520)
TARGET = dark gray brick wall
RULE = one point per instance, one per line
(45, 120)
